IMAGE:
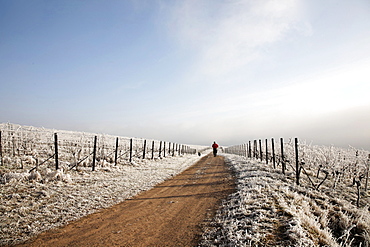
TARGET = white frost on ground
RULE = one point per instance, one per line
(29, 207)
(268, 209)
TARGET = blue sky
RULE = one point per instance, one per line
(189, 71)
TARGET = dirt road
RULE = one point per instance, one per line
(170, 214)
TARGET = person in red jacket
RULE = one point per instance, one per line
(214, 146)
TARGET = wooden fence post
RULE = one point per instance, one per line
(94, 153)
(56, 151)
(250, 149)
(130, 159)
(152, 149)
(169, 148)
(1, 150)
(160, 149)
(116, 153)
(255, 153)
(173, 149)
(273, 152)
(260, 142)
(267, 153)
(164, 149)
(254, 148)
(13, 141)
(282, 155)
(297, 168)
(144, 149)
(367, 173)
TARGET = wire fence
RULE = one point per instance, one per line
(319, 164)
(26, 146)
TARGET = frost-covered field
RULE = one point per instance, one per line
(34, 196)
(28, 207)
(268, 209)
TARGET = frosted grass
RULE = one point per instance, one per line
(268, 209)
(29, 206)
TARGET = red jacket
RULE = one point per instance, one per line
(215, 145)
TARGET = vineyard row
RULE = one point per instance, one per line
(319, 164)
(37, 147)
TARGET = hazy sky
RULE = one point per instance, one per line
(189, 71)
